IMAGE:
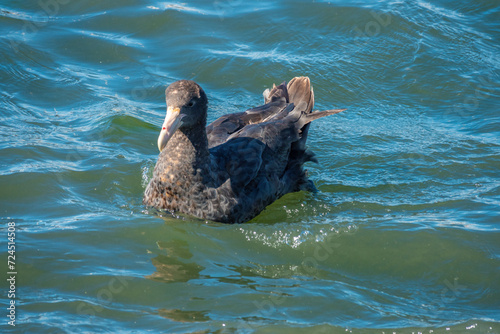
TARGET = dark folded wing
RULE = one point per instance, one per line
(240, 160)
(220, 130)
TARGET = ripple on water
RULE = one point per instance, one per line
(401, 237)
(294, 237)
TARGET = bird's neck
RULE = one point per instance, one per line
(187, 150)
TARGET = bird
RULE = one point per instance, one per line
(232, 169)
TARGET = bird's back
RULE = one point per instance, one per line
(262, 150)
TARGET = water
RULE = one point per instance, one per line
(402, 237)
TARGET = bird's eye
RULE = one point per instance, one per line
(190, 104)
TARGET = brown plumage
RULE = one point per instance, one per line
(230, 170)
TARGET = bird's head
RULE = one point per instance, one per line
(186, 107)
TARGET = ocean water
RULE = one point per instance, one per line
(402, 237)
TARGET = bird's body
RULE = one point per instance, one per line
(232, 169)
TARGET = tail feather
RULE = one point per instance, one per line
(310, 156)
(301, 96)
(299, 90)
(308, 118)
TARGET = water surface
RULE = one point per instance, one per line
(402, 237)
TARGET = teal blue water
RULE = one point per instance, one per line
(402, 237)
